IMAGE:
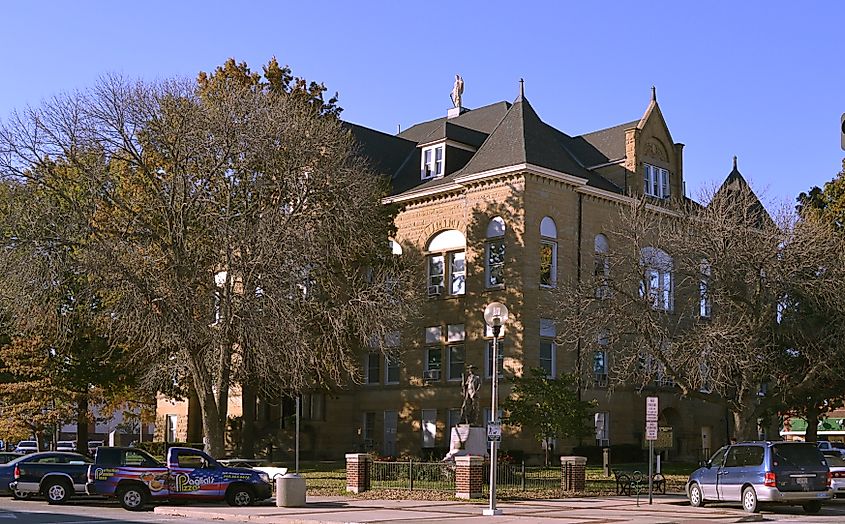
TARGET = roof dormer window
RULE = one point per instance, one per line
(432, 162)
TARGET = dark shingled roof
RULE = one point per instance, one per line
(522, 138)
(604, 145)
(455, 132)
(386, 153)
(484, 119)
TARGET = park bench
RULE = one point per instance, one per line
(631, 482)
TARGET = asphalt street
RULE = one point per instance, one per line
(87, 512)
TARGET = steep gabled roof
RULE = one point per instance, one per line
(735, 186)
(386, 153)
(602, 146)
(484, 119)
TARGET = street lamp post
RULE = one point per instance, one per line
(495, 315)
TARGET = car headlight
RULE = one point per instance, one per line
(264, 477)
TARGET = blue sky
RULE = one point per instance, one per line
(762, 80)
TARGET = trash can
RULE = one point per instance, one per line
(290, 491)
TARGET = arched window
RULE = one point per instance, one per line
(494, 250)
(548, 252)
(447, 263)
(657, 278)
(601, 267)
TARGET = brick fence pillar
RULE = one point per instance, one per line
(357, 472)
(573, 473)
(469, 476)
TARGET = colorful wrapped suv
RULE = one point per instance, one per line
(135, 478)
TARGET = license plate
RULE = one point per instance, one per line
(821, 495)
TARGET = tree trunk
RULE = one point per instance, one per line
(82, 422)
(248, 426)
(214, 432)
(745, 418)
(194, 416)
(812, 415)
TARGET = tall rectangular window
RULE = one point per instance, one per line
(432, 159)
(548, 352)
(373, 368)
(436, 274)
(656, 181)
(429, 427)
(495, 263)
(438, 161)
(600, 368)
(548, 263)
(432, 364)
(457, 272)
(391, 424)
(391, 368)
(368, 432)
(457, 361)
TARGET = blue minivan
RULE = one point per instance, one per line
(793, 473)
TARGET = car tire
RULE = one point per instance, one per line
(749, 500)
(239, 496)
(57, 491)
(21, 495)
(132, 498)
(696, 498)
(812, 507)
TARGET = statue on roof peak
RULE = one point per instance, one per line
(457, 91)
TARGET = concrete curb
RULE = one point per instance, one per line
(210, 514)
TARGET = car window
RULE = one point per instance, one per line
(834, 461)
(718, 457)
(740, 456)
(136, 458)
(50, 459)
(191, 461)
(796, 454)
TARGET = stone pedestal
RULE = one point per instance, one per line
(573, 473)
(357, 472)
(466, 440)
(469, 476)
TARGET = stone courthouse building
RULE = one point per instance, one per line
(503, 207)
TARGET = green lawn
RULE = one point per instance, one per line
(329, 478)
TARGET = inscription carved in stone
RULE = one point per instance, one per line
(655, 149)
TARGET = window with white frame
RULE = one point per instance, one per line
(705, 304)
(602, 425)
(432, 162)
(655, 181)
(494, 266)
(433, 353)
(488, 361)
(428, 424)
(656, 286)
(446, 264)
(548, 350)
(601, 266)
(600, 359)
(455, 351)
(548, 252)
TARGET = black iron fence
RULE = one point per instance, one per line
(519, 477)
(433, 476)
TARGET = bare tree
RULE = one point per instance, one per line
(694, 299)
(232, 230)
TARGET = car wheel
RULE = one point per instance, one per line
(749, 500)
(21, 495)
(57, 491)
(696, 499)
(239, 496)
(812, 507)
(132, 498)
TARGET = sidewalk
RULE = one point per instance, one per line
(334, 510)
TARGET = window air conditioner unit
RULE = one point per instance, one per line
(603, 442)
(434, 291)
(601, 380)
(431, 375)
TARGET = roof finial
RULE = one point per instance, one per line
(735, 163)
(653, 94)
(521, 88)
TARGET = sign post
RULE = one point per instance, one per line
(651, 411)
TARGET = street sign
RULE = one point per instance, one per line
(494, 432)
(651, 430)
(651, 409)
